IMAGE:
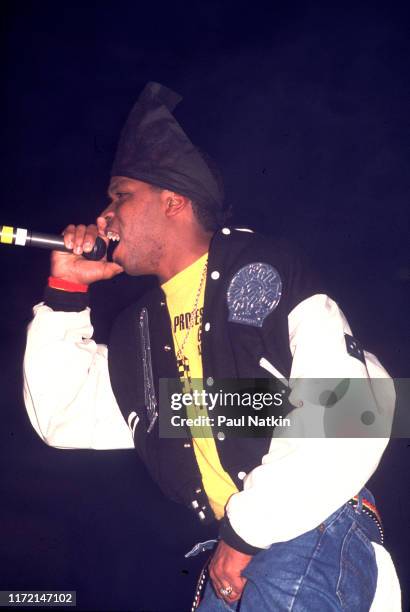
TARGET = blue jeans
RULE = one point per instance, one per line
(330, 568)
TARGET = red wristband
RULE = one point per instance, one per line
(64, 285)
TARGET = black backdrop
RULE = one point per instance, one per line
(306, 111)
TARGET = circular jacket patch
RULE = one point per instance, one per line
(253, 293)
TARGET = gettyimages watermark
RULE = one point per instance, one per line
(299, 408)
(206, 401)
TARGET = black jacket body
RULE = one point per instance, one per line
(231, 349)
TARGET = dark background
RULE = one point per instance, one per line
(305, 107)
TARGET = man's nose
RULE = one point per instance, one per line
(108, 212)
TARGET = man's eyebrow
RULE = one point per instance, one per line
(113, 187)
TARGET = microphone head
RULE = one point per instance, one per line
(98, 251)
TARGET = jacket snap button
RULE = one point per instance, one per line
(226, 231)
(215, 275)
(167, 347)
(241, 475)
(195, 504)
(201, 515)
(220, 435)
(162, 304)
(207, 326)
(209, 381)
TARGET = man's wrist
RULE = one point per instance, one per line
(73, 298)
(65, 285)
(230, 537)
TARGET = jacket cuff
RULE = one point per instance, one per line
(228, 535)
(67, 301)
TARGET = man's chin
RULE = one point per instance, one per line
(126, 266)
(129, 264)
(116, 257)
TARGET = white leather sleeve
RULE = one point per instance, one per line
(388, 592)
(67, 389)
(302, 480)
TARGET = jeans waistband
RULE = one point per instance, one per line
(365, 505)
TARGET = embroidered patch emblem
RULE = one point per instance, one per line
(253, 293)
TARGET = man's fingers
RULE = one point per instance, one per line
(102, 225)
(237, 588)
(232, 596)
(68, 235)
(223, 592)
(225, 580)
(225, 570)
(90, 237)
(80, 238)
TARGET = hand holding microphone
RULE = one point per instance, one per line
(78, 256)
(73, 266)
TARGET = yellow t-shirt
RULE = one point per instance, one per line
(181, 292)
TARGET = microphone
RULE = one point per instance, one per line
(23, 237)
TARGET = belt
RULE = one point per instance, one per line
(370, 510)
(203, 577)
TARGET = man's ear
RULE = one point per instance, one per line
(175, 203)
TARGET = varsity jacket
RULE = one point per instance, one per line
(264, 315)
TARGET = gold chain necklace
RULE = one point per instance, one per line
(193, 313)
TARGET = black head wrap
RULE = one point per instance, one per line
(154, 148)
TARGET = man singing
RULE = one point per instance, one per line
(297, 529)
